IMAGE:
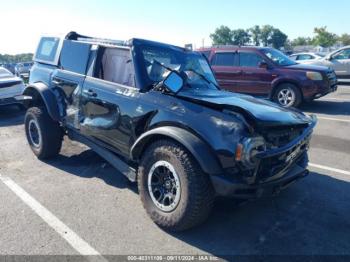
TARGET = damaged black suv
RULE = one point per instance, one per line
(155, 112)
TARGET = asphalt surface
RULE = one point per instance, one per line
(103, 208)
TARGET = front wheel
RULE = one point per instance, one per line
(287, 95)
(43, 134)
(175, 192)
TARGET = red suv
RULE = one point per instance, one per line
(267, 72)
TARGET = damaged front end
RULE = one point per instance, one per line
(269, 160)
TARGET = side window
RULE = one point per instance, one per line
(47, 49)
(117, 67)
(304, 57)
(225, 59)
(294, 57)
(75, 56)
(247, 59)
(344, 54)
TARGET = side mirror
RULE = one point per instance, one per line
(263, 64)
(174, 82)
(329, 57)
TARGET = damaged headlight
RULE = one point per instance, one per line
(247, 150)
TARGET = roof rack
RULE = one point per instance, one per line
(77, 37)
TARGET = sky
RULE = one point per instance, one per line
(177, 21)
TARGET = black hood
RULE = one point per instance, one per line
(262, 112)
(306, 67)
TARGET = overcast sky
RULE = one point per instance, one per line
(176, 21)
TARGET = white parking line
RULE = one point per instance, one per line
(333, 119)
(335, 99)
(344, 172)
(64, 231)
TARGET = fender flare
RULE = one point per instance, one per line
(47, 96)
(196, 146)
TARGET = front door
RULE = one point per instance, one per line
(341, 64)
(108, 101)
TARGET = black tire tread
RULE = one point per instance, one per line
(51, 132)
(201, 193)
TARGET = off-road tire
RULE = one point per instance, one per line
(298, 96)
(197, 194)
(50, 131)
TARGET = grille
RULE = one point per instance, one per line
(332, 78)
(279, 138)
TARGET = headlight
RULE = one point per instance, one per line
(246, 151)
(314, 76)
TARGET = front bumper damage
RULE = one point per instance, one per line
(278, 179)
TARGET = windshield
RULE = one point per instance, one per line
(4, 73)
(278, 57)
(192, 66)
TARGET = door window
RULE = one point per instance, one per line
(117, 67)
(344, 54)
(75, 56)
(305, 57)
(225, 59)
(249, 59)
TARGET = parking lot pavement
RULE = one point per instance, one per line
(92, 200)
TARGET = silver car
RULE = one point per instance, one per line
(339, 61)
(11, 88)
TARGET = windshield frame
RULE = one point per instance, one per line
(142, 80)
(264, 51)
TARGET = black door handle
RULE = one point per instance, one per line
(90, 92)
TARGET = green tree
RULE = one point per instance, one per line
(265, 34)
(301, 41)
(222, 36)
(323, 37)
(16, 58)
(278, 38)
(240, 37)
(345, 39)
(255, 33)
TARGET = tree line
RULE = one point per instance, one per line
(5, 59)
(268, 35)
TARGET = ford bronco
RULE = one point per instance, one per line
(155, 112)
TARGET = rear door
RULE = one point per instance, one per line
(253, 79)
(225, 67)
(68, 80)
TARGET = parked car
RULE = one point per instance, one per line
(10, 67)
(11, 88)
(305, 57)
(23, 69)
(155, 112)
(339, 61)
(268, 73)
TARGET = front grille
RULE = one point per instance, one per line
(332, 78)
(279, 138)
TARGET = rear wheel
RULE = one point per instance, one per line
(175, 192)
(287, 95)
(43, 134)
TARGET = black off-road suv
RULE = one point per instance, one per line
(154, 111)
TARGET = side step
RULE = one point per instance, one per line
(110, 157)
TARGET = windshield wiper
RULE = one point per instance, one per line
(203, 77)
